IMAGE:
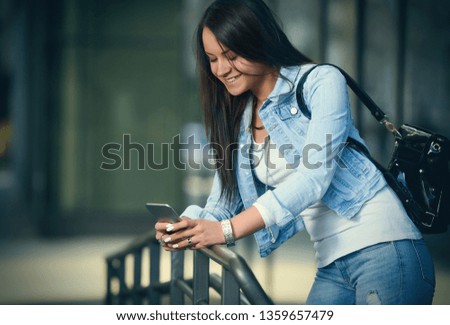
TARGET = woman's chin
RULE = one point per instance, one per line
(234, 91)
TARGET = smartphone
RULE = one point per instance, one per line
(162, 212)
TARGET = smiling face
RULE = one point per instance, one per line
(235, 72)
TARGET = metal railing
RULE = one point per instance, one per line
(236, 285)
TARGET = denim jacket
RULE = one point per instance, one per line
(325, 169)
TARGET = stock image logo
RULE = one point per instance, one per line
(191, 154)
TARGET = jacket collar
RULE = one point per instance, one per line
(286, 83)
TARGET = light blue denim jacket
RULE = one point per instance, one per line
(325, 169)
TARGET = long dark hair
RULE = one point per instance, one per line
(250, 30)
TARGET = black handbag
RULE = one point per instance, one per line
(418, 171)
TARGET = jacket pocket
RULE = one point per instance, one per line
(356, 163)
(291, 117)
(342, 189)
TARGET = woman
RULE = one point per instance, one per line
(279, 171)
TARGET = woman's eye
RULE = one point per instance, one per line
(212, 59)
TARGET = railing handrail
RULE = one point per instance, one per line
(231, 262)
(241, 271)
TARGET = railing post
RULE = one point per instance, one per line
(177, 273)
(137, 273)
(122, 284)
(201, 278)
(109, 271)
(230, 289)
(154, 296)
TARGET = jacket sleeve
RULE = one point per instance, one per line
(326, 96)
(217, 208)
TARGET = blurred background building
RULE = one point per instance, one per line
(94, 93)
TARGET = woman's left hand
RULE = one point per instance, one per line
(193, 234)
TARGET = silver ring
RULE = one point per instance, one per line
(189, 240)
(161, 242)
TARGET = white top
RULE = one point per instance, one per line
(277, 170)
(380, 219)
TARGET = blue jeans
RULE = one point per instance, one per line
(389, 273)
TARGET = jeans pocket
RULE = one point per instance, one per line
(425, 261)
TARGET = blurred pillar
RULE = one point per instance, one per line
(197, 178)
(200, 169)
(18, 173)
(31, 52)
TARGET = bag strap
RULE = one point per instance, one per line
(362, 95)
(379, 115)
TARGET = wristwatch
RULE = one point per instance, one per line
(227, 232)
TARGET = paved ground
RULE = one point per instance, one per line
(72, 271)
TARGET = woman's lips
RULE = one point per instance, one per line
(232, 79)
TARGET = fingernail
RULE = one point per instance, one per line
(168, 239)
(169, 227)
(175, 246)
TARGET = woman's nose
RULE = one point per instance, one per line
(223, 68)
